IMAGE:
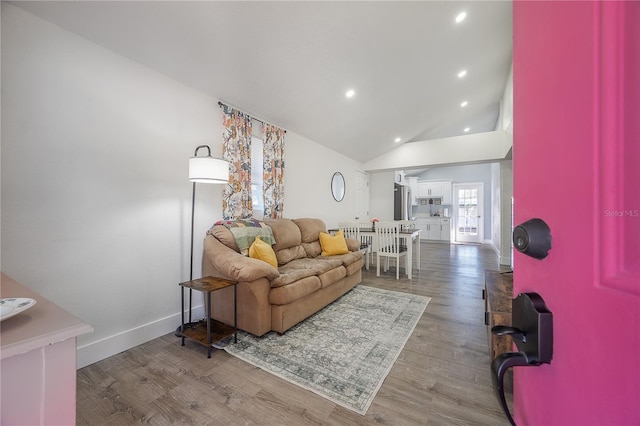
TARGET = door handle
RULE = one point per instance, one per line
(532, 332)
(499, 367)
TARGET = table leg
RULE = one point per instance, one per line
(418, 250)
(235, 313)
(208, 324)
(409, 258)
(182, 316)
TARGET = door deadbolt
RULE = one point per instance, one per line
(533, 238)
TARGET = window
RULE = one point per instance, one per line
(257, 155)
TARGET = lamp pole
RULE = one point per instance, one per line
(203, 169)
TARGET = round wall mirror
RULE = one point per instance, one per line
(337, 186)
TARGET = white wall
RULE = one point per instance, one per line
(506, 193)
(309, 169)
(381, 195)
(95, 198)
(495, 207)
(474, 148)
(505, 121)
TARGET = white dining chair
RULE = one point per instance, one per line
(388, 246)
(367, 238)
(352, 230)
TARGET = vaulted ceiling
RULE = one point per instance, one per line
(291, 63)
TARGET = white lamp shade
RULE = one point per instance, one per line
(208, 170)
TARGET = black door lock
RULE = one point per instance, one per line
(533, 238)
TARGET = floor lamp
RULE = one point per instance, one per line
(203, 169)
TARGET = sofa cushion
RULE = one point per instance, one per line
(286, 233)
(292, 292)
(344, 259)
(288, 240)
(352, 244)
(310, 229)
(263, 251)
(287, 255)
(301, 268)
(354, 267)
(332, 276)
(333, 244)
(313, 249)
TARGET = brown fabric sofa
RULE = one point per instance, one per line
(277, 299)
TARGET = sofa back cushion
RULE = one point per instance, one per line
(310, 230)
(288, 240)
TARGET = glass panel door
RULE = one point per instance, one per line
(468, 212)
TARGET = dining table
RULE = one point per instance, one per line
(412, 234)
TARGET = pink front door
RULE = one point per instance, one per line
(576, 163)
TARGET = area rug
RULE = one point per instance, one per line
(343, 352)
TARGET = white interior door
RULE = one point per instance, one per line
(468, 205)
(361, 180)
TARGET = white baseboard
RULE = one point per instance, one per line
(112, 345)
(505, 260)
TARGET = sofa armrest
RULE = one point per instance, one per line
(234, 265)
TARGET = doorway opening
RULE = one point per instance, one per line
(468, 205)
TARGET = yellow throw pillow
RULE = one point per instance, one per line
(263, 251)
(332, 245)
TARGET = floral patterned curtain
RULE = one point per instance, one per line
(236, 149)
(273, 177)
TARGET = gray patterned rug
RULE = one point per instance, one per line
(345, 351)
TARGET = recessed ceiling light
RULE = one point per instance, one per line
(397, 140)
(462, 73)
(464, 104)
(350, 93)
(466, 129)
(460, 17)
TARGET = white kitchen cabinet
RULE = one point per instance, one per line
(429, 189)
(445, 229)
(434, 228)
(422, 224)
(430, 228)
(435, 189)
(422, 190)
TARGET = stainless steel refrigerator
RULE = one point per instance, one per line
(401, 202)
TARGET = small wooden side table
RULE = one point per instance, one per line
(498, 295)
(214, 330)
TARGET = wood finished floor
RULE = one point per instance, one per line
(440, 378)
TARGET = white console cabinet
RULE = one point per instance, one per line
(38, 361)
